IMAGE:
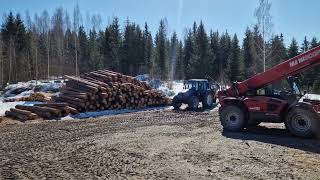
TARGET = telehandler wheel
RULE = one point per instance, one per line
(301, 122)
(208, 101)
(193, 103)
(232, 118)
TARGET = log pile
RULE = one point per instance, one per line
(33, 97)
(46, 111)
(104, 90)
(94, 91)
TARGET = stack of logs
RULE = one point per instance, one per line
(94, 91)
(104, 90)
(46, 111)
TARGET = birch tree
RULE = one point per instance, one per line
(264, 18)
(77, 18)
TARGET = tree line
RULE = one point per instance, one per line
(50, 46)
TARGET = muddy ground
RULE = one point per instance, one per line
(154, 145)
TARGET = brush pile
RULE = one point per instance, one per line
(104, 90)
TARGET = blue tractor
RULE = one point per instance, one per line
(196, 91)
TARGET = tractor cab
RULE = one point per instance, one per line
(197, 84)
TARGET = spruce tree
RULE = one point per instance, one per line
(148, 50)
(278, 51)
(224, 57)
(214, 52)
(180, 66)
(173, 56)
(111, 46)
(83, 51)
(201, 64)
(188, 52)
(161, 54)
(235, 58)
(293, 49)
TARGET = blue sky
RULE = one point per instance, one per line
(294, 18)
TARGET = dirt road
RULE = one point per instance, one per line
(153, 145)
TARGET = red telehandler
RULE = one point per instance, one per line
(257, 100)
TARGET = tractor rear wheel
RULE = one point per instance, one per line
(301, 122)
(232, 118)
(176, 103)
(193, 103)
(208, 101)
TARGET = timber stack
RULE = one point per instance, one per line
(94, 91)
(104, 90)
(46, 111)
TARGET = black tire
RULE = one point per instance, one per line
(301, 122)
(232, 119)
(193, 103)
(208, 101)
(176, 105)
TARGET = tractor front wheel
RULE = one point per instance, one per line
(301, 122)
(193, 103)
(208, 101)
(176, 105)
(232, 118)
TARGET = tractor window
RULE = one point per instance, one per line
(296, 89)
(195, 86)
(200, 85)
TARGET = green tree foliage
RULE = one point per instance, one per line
(161, 52)
(111, 46)
(83, 51)
(214, 52)
(148, 50)
(248, 53)
(188, 52)
(235, 60)
(180, 65)
(224, 57)
(293, 49)
(278, 51)
(201, 65)
(173, 51)
(50, 46)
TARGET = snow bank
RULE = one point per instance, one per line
(25, 89)
(95, 114)
(170, 88)
(312, 96)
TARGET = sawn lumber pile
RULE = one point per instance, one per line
(104, 90)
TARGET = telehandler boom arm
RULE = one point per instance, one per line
(288, 68)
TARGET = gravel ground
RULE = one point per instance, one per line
(154, 145)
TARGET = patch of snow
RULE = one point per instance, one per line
(312, 97)
(171, 88)
(95, 114)
(24, 89)
(143, 77)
